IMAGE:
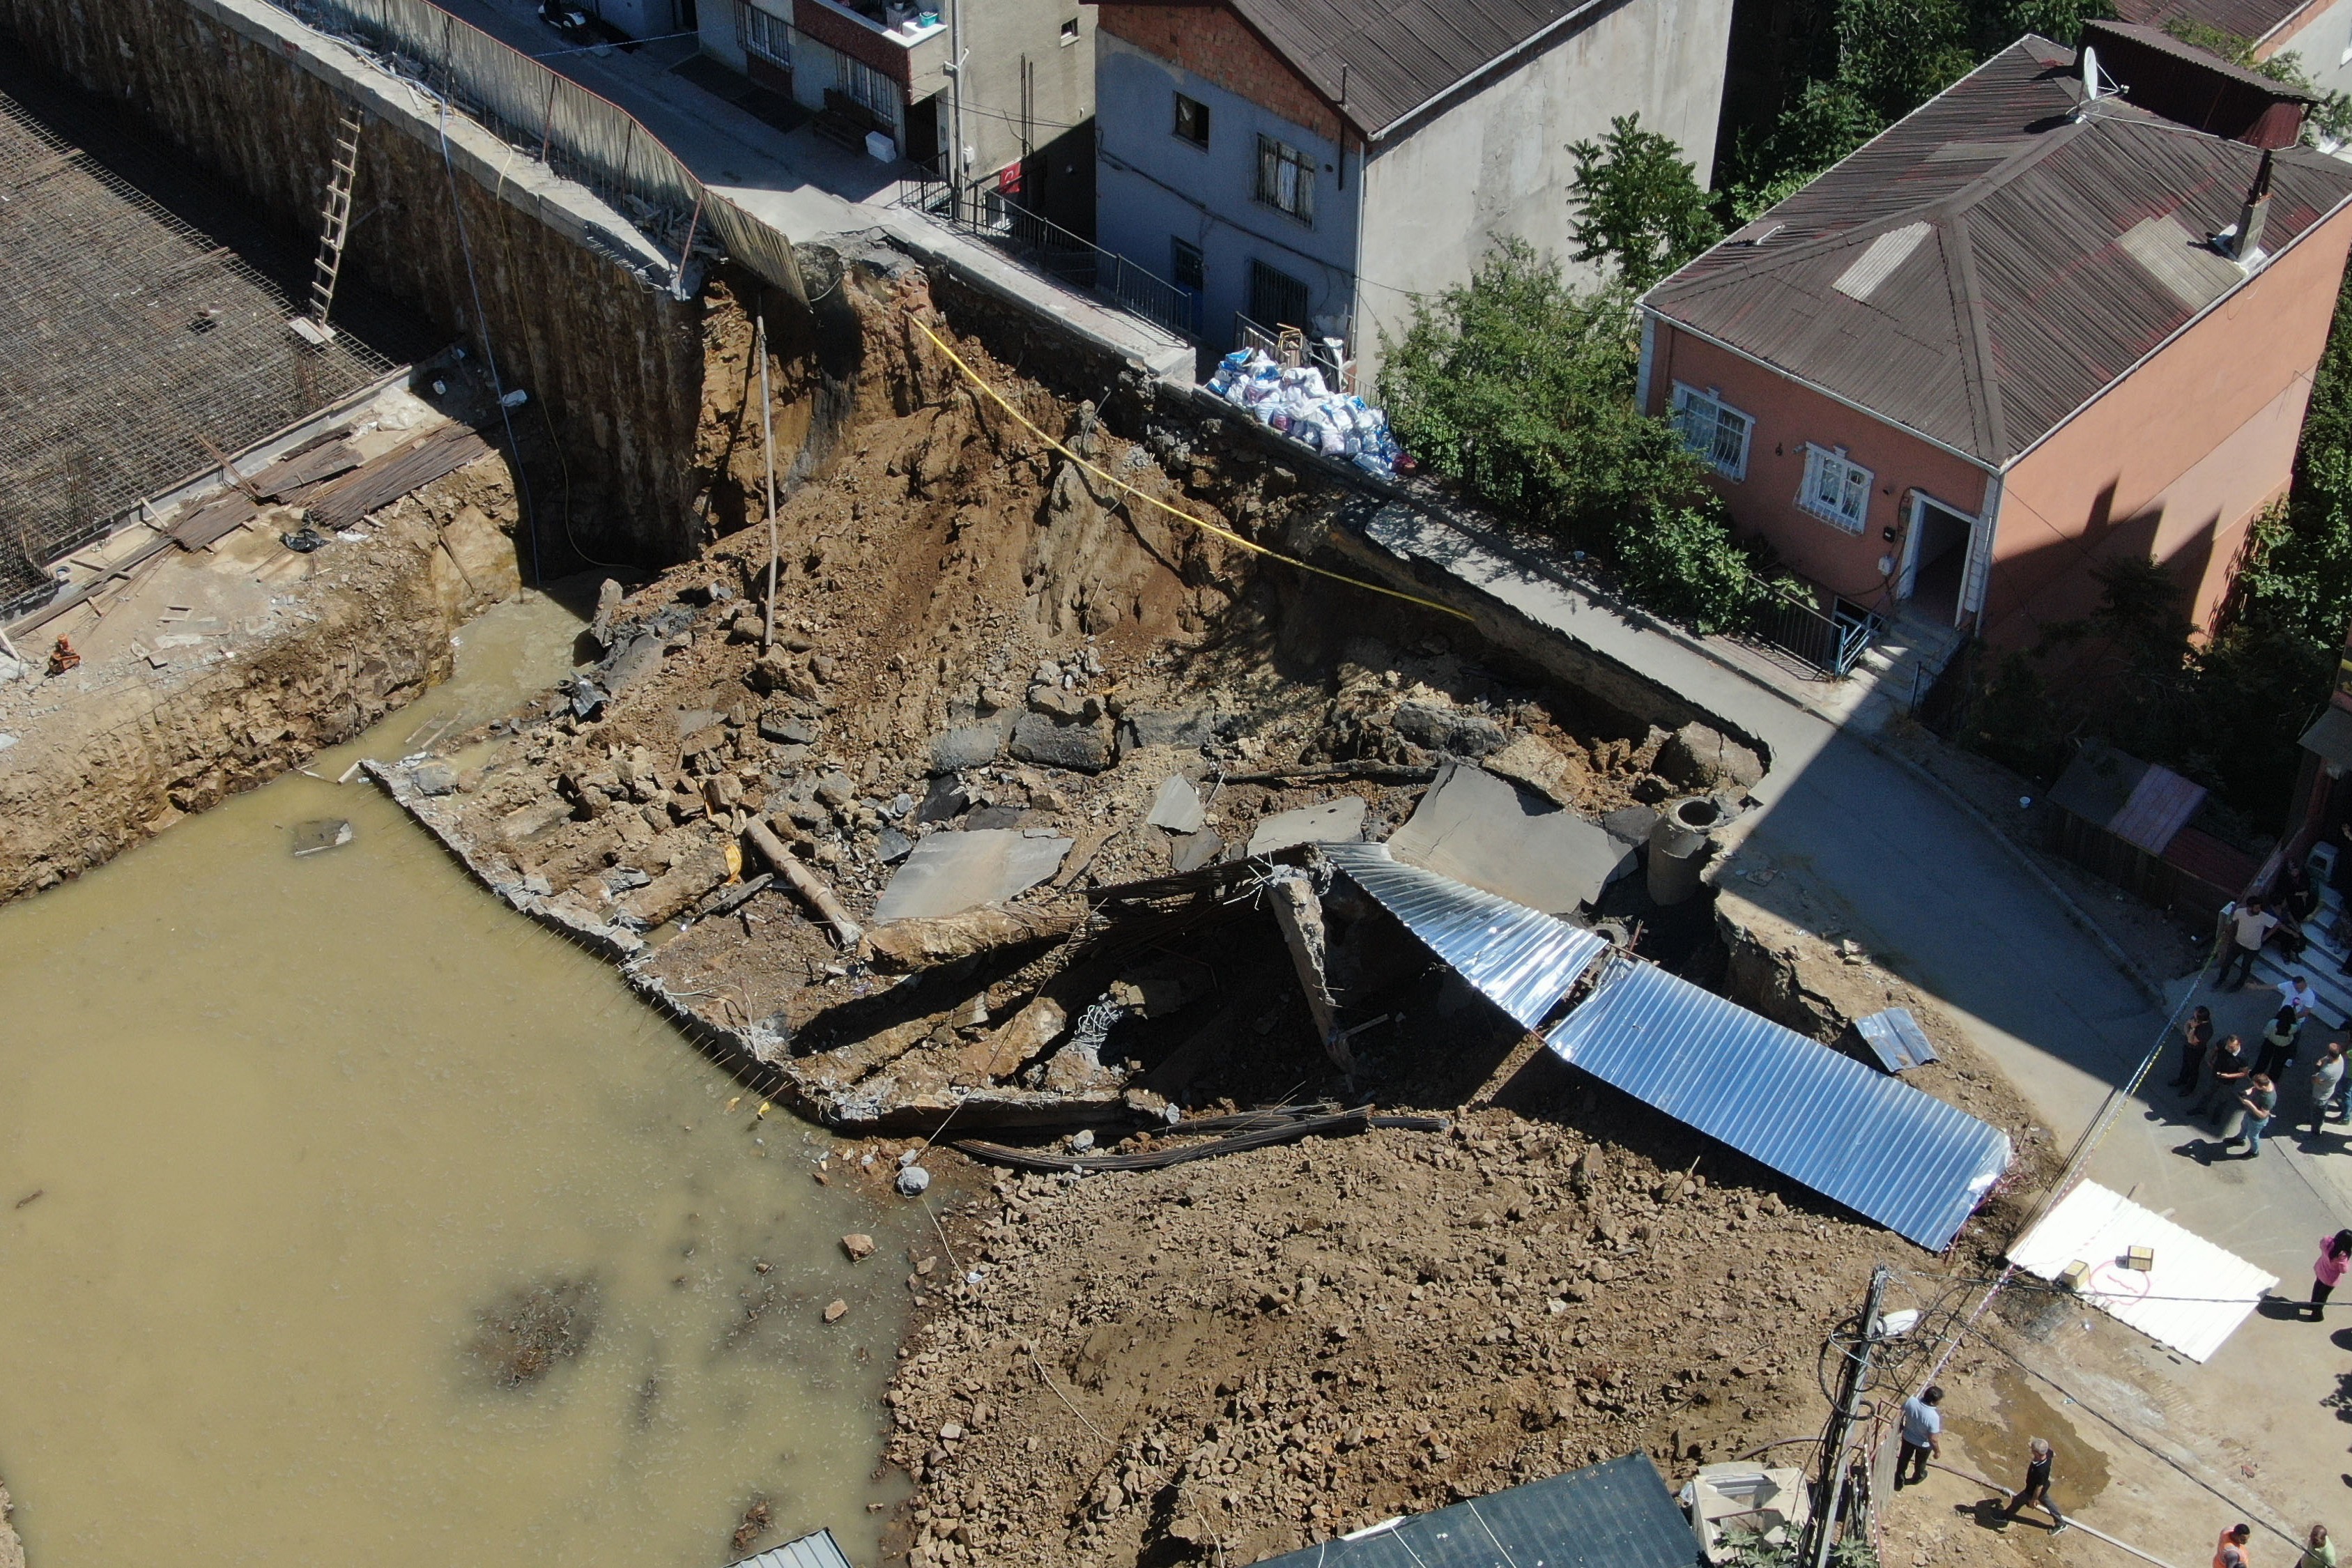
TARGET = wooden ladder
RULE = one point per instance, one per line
(338, 224)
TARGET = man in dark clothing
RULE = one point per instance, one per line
(2036, 1490)
(2196, 1039)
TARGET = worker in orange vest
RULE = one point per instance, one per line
(2229, 1552)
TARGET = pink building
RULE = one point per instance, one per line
(2024, 329)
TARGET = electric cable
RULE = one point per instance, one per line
(1202, 523)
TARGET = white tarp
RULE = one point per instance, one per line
(2193, 1298)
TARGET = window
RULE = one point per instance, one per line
(869, 87)
(1186, 266)
(1836, 492)
(768, 36)
(1285, 179)
(1070, 32)
(1714, 429)
(1192, 120)
(1276, 298)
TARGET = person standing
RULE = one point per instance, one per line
(2229, 1552)
(2298, 994)
(2250, 926)
(2327, 1083)
(2039, 1455)
(1922, 1424)
(2278, 1043)
(2318, 1552)
(2232, 1066)
(2257, 1104)
(2196, 1039)
(2328, 1271)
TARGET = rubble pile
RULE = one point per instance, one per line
(1223, 1360)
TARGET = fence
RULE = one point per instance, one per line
(1291, 347)
(1831, 643)
(1043, 245)
(577, 133)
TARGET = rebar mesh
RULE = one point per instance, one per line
(133, 338)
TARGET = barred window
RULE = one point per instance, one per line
(1711, 427)
(870, 87)
(764, 34)
(1285, 179)
(1836, 490)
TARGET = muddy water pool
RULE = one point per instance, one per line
(297, 1124)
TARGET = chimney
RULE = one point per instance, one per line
(2251, 216)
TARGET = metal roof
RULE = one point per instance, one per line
(1379, 65)
(1882, 1147)
(1616, 1515)
(1896, 1038)
(1521, 960)
(2140, 803)
(2253, 20)
(817, 1551)
(2330, 737)
(2061, 250)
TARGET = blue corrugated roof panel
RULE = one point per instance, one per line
(1885, 1150)
(1617, 1515)
(817, 1551)
(1520, 960)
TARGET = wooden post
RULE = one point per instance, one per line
(806, 882)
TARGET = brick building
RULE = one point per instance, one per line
(2025, 329)
(1317, 165)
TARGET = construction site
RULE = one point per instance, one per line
(1213, 934)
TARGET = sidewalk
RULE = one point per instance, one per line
(1925, 885)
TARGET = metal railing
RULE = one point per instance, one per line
(1831, 642)
(1043, 246)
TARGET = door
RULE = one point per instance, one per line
(1936, 559)
(923, 135)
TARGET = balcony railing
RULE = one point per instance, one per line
(1043, 245)
(1831, 642)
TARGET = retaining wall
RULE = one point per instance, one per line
(574, 302)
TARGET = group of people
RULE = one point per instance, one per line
(1922, 1427)
(2238, 1086)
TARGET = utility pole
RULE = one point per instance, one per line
(768, 446)
(1854, 1379)
(955, 102)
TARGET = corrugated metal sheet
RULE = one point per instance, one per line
(1617, 1515)
(1887, 252)
(1396, 57)
(2024, 303)
(2161, 804)
(1882, 1147)
(2249, 19)
(817, 1551)
(2330, 737)
(1896, 1038)
(1521, 960)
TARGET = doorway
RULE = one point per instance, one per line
(923, 135)
(1935, 560)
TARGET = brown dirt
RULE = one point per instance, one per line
(296, 653)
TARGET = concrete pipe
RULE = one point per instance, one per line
(1679, 845)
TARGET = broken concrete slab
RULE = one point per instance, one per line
(1454, 731)
(1699, 758)
(316, 838)
(1333, 822)
(972, 746)
(1195, 850)
(434, 778)
(1140, 728)
(949, 873)
(1177, 807)
(1081, 748)
(925, 944)
(1540, 766)
(1509, 841)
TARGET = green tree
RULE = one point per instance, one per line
(1638, 204)
(1521, 389)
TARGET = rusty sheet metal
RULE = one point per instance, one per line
(290, 475)
(1522, 961)
(2020, 305)
(1885, 1150)
(438, 452)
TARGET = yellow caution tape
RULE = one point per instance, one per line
(1149, 500)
